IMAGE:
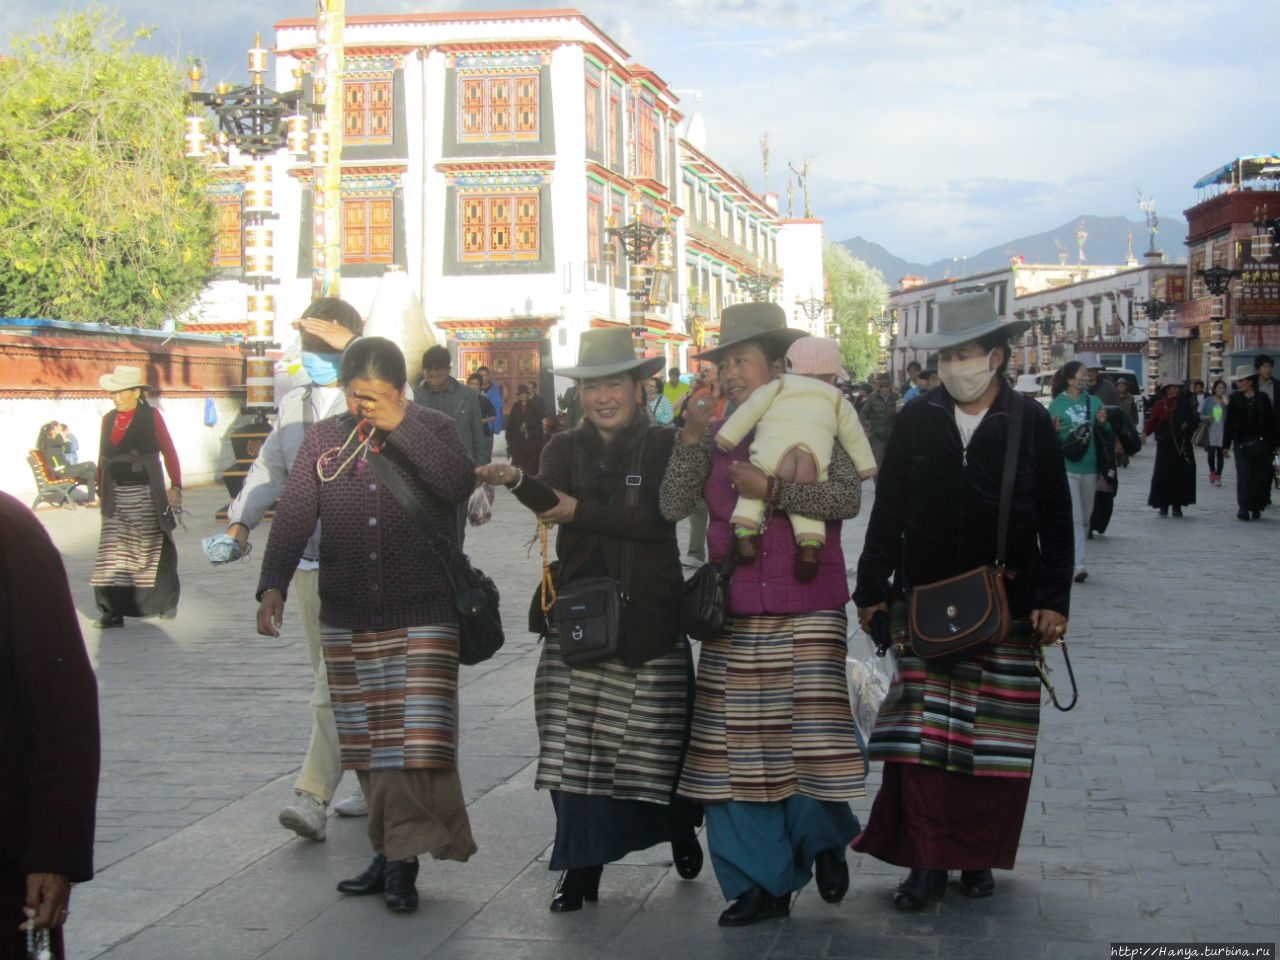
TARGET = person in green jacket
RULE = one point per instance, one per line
(1073, 407)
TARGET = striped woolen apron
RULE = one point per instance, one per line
(608, 730)
(772, 717)
(395, 696)
(130, 542)
(978, 716)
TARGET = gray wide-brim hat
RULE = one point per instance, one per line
(123, 377)
(609, 351)
(1243, 371)
(752, 321)
(968, 317)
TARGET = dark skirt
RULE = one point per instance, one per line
(930, 819)
(1254, 476)
(1173, 479)
(145, 601)
(595, 830)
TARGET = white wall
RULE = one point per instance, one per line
(203, 451)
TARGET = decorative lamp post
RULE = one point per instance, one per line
(1045, 325)
(887, 326)
(257, 121)
(637, 239)
(813, 308)
(759, 287)
(1217, 279)
(1154, 309)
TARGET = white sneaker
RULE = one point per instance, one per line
(353, 806)
(305, 817)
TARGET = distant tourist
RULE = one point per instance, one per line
(1250, 431)
(1172, 421)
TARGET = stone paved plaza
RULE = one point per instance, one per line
(1154, 814)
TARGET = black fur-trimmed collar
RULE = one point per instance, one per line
(598, 466)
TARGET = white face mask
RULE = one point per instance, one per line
(966, 380)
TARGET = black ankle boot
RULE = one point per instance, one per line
(372, 880)
(574, 886)
(401, 893)
(920, 887)
(753, 906)
(831, 871)
(977, 883)
(687, 855)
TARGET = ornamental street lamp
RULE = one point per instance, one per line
(887, 326)
(1045, 325)
(759, 288)
(1217, 279)
(637, 240)
(1154, 309)
(256, 121)
(813, 308)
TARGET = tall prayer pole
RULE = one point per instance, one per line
(326, 151)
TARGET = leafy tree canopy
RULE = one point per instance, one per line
(858, 291)
(101, 218)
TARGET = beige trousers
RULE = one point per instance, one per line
(322, 767)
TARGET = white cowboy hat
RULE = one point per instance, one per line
(1027, 383)
(123, 377)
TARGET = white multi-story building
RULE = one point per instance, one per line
(489, 154)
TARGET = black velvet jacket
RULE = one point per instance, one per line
(936, 505)
(580, 464)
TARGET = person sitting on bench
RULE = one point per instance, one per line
(52, 447)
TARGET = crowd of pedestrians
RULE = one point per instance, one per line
(639, 748)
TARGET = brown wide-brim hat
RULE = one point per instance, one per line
(966, 318)
(123, 377)
(762, 322)
(609, 351)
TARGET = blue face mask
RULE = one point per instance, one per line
(322, 368)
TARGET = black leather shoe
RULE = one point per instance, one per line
(1242, 514)
(755, 905)
(832, 873)
(1177, 511)
(109, 620)
(1164, 511)
(401, 893)
(687, 855)
(1255, 514)
(574, 886)
(920, 887)
(372, 880)
(977, 883)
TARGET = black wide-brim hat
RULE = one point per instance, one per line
(966, 318)
(609, 351)
(741, 322)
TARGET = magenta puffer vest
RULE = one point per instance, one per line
(768, 585)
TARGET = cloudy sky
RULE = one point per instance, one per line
(934, 127)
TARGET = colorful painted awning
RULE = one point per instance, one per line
(1258, 166)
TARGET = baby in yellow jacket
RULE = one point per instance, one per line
(797, 420)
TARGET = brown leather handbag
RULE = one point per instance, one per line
(969, 612)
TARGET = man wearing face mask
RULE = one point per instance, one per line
(326, 327)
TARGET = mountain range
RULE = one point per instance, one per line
(1107, 242)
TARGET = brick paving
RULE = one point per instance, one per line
(1154, 814)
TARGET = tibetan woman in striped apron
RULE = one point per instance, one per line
(387, 618)
(958, 738)
(611, 735)
(135, 573)
(772, 752)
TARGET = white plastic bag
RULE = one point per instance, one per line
(480, 506)
(869, 679)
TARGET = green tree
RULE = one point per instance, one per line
(858, 291)
(101, 218)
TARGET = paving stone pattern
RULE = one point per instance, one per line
(1153, 816)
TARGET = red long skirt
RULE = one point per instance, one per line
(929, 819)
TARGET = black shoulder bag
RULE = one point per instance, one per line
(704, 599)
(588, 612)
(969, 612)
(475, 596)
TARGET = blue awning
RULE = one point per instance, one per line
(1253, 167)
